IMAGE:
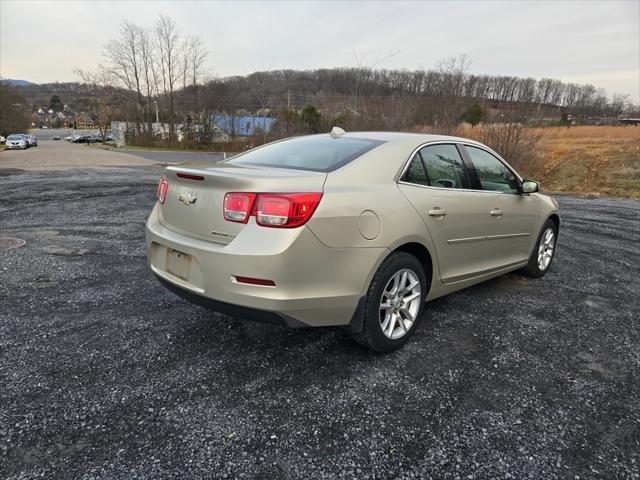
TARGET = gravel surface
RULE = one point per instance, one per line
(105, 375)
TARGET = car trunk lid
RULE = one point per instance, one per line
(194, 201)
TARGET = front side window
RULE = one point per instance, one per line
(494, 175)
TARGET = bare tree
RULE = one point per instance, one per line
(448, 106)
(104, 106)
(169, 46)
(148, 61)
(364, 71)
(195, 53)
(12, 113)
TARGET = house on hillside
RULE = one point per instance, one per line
(243, 125)
(47, 117)
(85, 121)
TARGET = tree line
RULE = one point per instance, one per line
(156, 72)
(12, 115)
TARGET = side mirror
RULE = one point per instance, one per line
(530, 186)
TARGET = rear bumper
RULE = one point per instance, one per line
(238, 311)
(315, 285)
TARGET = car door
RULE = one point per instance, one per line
(510, 214)
(436, 182)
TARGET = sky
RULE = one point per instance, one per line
(595, 42)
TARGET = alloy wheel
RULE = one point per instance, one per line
(400, 303)
(545, 249)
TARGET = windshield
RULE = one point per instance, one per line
(14, 137)
(319, 153)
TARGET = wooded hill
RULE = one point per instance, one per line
(402, 97)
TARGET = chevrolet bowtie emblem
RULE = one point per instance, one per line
(187, 198)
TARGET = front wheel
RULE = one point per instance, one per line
(542, 254)
(394, 303)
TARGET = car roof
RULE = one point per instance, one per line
(407, 137)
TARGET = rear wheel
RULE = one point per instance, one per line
(394, 303)
(542, 254)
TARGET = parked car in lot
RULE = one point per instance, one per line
(355, 229)
(17, 141)
(55, 137)
(32, 140)
(86, 139)
(2, 140)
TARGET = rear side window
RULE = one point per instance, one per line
(416, 172)
(320, 153)
(440, 165)
(494, 175)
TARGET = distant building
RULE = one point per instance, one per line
(85, 121)
(197, 132)
(630, 120)
(243, 126)
(49, 118)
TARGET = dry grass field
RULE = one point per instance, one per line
(589, 160)
(592, 160)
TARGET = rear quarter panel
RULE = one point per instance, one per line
(368, 186)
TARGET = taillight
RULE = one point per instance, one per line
(163, 188)
(238, 206)
(285, 209)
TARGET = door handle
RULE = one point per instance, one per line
(437, 212)
(496, 212)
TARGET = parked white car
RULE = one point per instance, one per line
(2, 140)
(17, 142)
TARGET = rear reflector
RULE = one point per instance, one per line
(238, 206)
(188, 176)
(163, 188)
(255, 281)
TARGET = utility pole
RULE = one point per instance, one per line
(157, 116)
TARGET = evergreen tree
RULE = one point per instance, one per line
(474, 115)
(56, 105)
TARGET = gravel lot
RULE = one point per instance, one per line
(106, 375)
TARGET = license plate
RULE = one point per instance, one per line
(178, 264)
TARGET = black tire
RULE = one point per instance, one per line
(532, 269)
(372, 336)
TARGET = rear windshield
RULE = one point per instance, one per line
(319, 153)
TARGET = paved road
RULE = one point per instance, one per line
(106, 375)
(49, 133)
(60, 155)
